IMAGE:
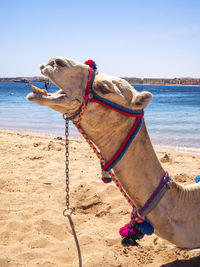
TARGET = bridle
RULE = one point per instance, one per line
(91, 97)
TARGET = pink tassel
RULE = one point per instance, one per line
(127, 230)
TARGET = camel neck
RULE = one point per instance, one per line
(139, 170)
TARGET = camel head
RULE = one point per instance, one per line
(71, 78)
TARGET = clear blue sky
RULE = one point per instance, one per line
(143, 38)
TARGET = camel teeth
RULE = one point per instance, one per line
(38, 90)
(44, 92)
(34, 88)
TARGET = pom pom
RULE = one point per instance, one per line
(130, 233)
(91, 63)
(127, 230)
(106, 177)
(197, 178)
(146, 228)
(106, 180)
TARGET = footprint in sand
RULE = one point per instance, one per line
(48, 228)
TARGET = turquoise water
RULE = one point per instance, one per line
(172, 117)
(18, 113)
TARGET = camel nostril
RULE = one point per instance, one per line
(42, 67)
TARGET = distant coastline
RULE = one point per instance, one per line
(163, 81)
(22, 79)
(131, 80)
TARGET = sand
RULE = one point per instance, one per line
(33, 230)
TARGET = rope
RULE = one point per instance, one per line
(76, 239)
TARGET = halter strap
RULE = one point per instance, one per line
(89, 84)
(116, 107)
(107, 103)
(91, 96)
(124, 146)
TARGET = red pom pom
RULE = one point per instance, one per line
(106, 180)
(91, 63)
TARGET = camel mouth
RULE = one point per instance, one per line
(63, 100)
(42, 95)
(47, 70)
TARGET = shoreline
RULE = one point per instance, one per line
(158, 147)
(40, 134)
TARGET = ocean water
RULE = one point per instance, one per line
(172, 118)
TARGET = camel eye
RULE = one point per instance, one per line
(60, 63)
(103, 90)
(102, 87)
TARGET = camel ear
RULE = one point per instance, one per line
(142, 100)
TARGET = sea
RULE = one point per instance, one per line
(172, 118)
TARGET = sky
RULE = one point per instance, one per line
(127, 38)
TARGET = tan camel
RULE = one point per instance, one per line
(177, 216)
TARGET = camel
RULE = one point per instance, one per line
(176, 217)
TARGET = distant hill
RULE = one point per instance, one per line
(163, 81)
(22, 79)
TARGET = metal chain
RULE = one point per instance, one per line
(66, 164)
(67, 161)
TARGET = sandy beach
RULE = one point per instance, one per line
(33, 230)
